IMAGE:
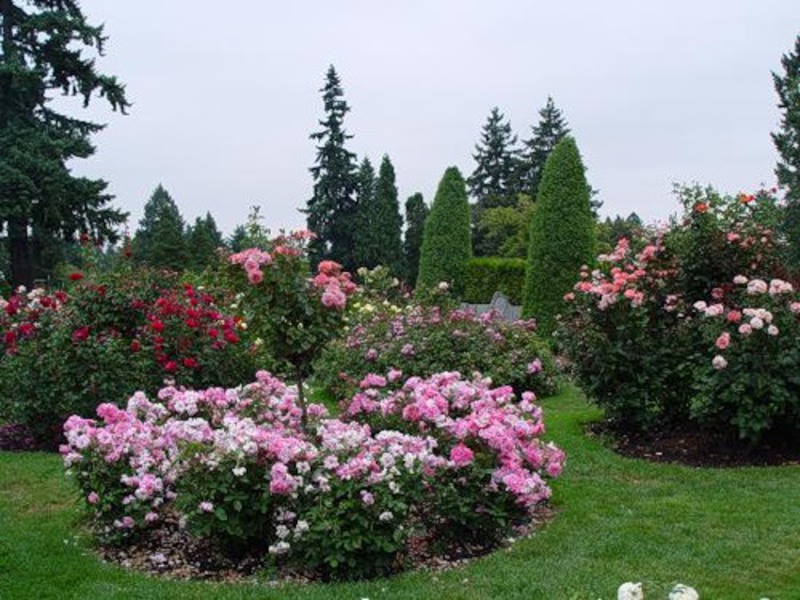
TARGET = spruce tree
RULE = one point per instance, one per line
(552, 127)
(561, 236)
(331, 211)
(787, 142)
(446, 242)
(41, 203)
(491, 183)
(416, 214)
(160, 240)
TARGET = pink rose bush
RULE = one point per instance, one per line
(692, 324)
(340, 497)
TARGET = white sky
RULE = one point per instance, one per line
(225, 94)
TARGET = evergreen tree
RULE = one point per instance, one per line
(160, 240)
(504, 230)
(561, 236)
(388, 223)
(491, 183)
(238, 239)
(365, 255)
(203, 239)
(446, 242)
(552, 127)
(41, 203)
(416, 214)
(787, 142)
(332, 208)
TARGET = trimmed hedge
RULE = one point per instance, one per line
(487, 275)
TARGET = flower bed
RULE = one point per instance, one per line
(451, 458)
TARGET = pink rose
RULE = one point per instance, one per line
(461, 455)
(723, 341)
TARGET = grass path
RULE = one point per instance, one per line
(733, 534)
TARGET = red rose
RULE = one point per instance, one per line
(136, 346)
(171, 366)
(157, 325)
(76, 276)
(190, 363)
(81, 334)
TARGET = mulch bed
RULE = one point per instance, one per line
(700, 448)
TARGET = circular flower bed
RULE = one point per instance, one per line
(442, 458)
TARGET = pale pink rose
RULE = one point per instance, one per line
(757, 323)
(740, 280)
(772, 330)
(93, 498)
(756, 286)
(745, 329)
(723, 341)
(719, 362)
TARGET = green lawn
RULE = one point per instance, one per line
(732, 534)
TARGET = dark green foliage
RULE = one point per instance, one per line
(487, 275)
(331, 211)
(561, 237)
(447, 243)
(787, 142)
(41, 203)
(551, 129)
(160, 240)
(416, 214)
(236, 242)
(504, 230)
(203, 239)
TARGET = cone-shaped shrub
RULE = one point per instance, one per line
(447, 241)
(561, 235)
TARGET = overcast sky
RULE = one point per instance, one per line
(225, 94)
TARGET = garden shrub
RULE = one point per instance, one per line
(340, 498)
(447, 239)
(561, 236)
(676, 329)
(109, 335)
(423, 340)
(487, 275)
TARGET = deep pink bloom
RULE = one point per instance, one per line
(461, 455)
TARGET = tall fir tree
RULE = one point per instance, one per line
(492, 182)
(787, 142)
(388, 224)
(447, 240)
(202, 241)
(41, 203)
(552, 127)
(416, 214)
(364, 254)
(331, 211)
(160, 240)
(562, 235)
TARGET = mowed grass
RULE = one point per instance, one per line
(732, 534)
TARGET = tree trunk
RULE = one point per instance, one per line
(20, 249)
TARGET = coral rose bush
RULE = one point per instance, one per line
(340, 497)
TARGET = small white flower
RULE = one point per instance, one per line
(239, 471)
(385, 516)
(683, 592)
(630, 591)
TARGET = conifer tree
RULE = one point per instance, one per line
(491, 183)
(160, 240)
(446, 242)
(561, 236)
(787, 142)
(388, 224)
(552, 127)
(331, 211)
(364, 252)
(416, 214)
(41, 203)
(202, 241)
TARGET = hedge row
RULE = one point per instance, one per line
(487, 275)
